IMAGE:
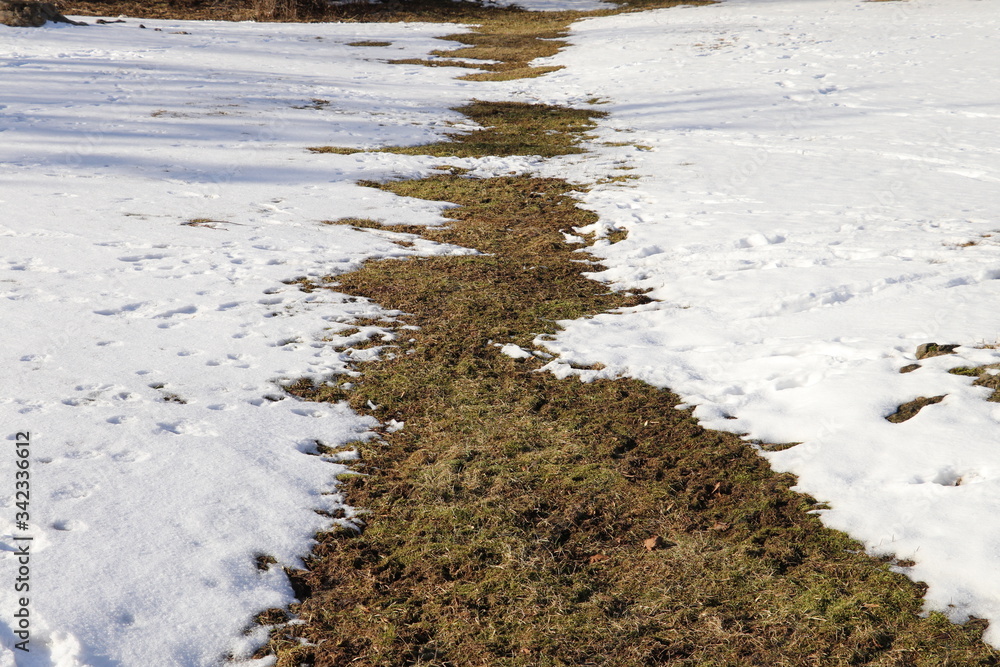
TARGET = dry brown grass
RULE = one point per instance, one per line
(508, 128)
(986, 376)
(508, 523)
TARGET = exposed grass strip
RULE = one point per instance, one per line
(507, 523)
(518, 519)
(509, 128)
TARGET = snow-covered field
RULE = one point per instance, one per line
(142, 353)
(811, 174)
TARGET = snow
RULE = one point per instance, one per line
(144, 355)
(812, 173)
(515, 351)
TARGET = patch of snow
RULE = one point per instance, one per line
(515, 351)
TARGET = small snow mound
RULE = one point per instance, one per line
(515, 351)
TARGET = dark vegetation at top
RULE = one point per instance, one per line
(438, 11)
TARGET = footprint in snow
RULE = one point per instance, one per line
(70, 525)
(127, 308)
(140, 258)
(83, 455)
(129, 456)
(185, 427)
(186, 310)
(74, 491)
(309, 413)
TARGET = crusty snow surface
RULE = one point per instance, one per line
(810, 176)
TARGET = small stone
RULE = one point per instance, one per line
(909, 368)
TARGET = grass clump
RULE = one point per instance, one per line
(507, 40)
(986, 376)
(509, 128)
(909, 410)
(512, 40)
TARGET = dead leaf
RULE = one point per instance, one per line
(654, 543)
(597, 558)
